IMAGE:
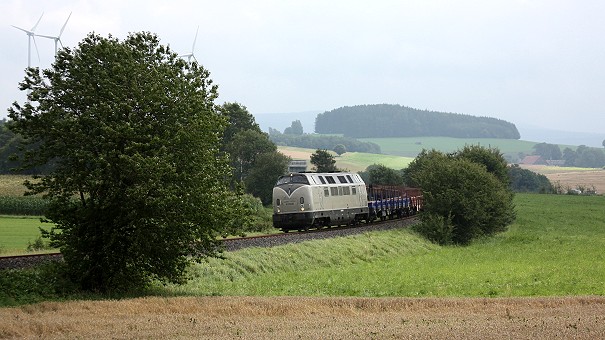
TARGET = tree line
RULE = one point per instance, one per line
(583, 156)
(386, 120)
(321, 141)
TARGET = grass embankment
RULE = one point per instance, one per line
(555, 248)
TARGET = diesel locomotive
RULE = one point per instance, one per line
(302, 201)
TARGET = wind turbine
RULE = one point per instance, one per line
(190, 54)
(57, 39)
(30, 35)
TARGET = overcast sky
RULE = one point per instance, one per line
(539, 63)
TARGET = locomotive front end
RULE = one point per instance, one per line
(292, 203)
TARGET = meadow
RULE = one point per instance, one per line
(411, 146)
(18, 232)
(554, 248)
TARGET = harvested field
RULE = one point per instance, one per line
(310, 318)
(572, 177)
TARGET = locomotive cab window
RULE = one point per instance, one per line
(346, 190)
(326, 192)
(334, 191)
(354, 190)
(293, 178)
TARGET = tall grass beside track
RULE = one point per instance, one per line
(555, 248)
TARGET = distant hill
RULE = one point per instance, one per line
(387, 120)
(562, 137)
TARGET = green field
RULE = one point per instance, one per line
(16, 232)
(357, 161)
(555, 248)
(410, 147)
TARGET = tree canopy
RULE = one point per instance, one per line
(323, 161)
(139, 189)
(295, 129)
(385, 120)
(547, 151)
(382, 175)
(254, 157)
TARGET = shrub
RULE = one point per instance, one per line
(435, 228)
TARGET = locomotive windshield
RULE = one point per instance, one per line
(301, 179)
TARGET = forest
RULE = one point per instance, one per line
(387, 120)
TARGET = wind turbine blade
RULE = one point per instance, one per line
(195, 39)
(19, 28)
(62, 28)
(36, 25)
(45, 36)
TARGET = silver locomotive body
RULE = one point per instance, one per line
(314, 200)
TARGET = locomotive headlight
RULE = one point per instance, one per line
(302, 208)
(278, 210)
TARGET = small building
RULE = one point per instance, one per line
(297, 165)
(533, 160)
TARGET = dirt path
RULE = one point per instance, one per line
(310, 318)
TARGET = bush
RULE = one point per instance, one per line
(256, 218)
(475, 202)
(435, 228)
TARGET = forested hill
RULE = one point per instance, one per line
(386, 120)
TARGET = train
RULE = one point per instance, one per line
(309, 200)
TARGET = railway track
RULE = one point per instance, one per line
(233, 244)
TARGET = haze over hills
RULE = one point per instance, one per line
(280, 121)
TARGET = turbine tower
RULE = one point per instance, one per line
(31, 36)
(57, 39)
(190, 54)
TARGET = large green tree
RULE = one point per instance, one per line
(382, 175)
(243, 149)
(239, 119)
(548, 151)
(138, 189)
(265, 172)
(323, 161)
(295, 128)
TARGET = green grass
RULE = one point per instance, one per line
(411, 146)
(358, 161)
(554, 248)
(16, 232)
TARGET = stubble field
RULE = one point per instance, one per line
(310, 318)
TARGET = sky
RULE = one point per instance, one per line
(534, 63)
